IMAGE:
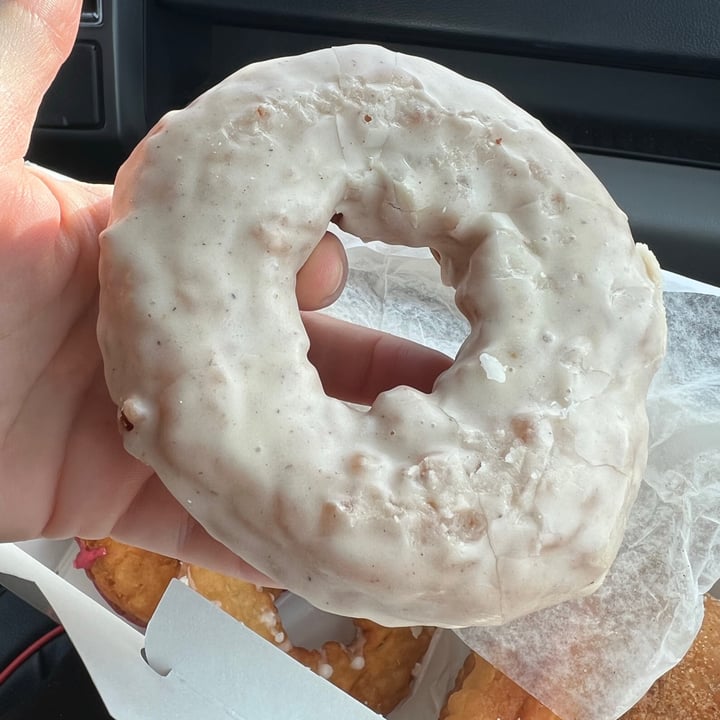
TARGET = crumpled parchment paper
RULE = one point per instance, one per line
(594, 658)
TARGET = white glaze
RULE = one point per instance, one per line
(481, 502)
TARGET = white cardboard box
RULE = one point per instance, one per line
(194, 660)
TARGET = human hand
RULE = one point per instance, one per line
(63, 469)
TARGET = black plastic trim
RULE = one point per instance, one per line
(672, 208)
(676, 35)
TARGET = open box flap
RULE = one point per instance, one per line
(202, 647)
(200, 661)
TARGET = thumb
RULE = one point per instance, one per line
(36, 36)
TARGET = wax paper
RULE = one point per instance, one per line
(594, 658)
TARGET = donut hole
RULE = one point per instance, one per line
(394, 289)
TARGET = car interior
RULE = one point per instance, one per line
(633, 87)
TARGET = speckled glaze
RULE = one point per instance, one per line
(505, 490)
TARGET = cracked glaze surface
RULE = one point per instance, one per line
(504, 491)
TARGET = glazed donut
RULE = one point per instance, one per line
(689, 691)
(377, 668)
(130, 580)
(507, 488)
(482, 692)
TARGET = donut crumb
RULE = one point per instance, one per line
(125, 423)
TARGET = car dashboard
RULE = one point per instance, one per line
(633, 87)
